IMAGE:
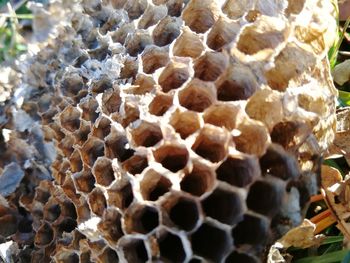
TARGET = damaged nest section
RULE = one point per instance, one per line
(184, 131)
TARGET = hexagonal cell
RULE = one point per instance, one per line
(172, 156)
(224, 205)
(135, 164)
(66, 256)
(154, 185)
(265, 197)
(188, 44)
(117, 146)
(185, 123)
(134, 250)
(70, 118)
(137, 42)
(236, 9)
(120, 194)
(66, 225)
(97, 201)
(84, 181)
(211, 242)
(252, 131)
(135, 8)
(131, 113)
(253, 230)
(66, 145)
(223, 115)
(171, 247)
(198, 95)
(85, 257)
(295, 7)
(198, 181)
(239, 170)
(264, 35)
(52, 210)
(174, 74)
(108, 256)
(102, 84)
(72, 84)
(120, 35)
(83, 132)
(223, 32)
(166, 31)
(141, 85)
(200, 15)
(83, 212)
(130, 66)
(91, 150)
(210, 65)
(151, 16)
(236, 83)
(211, 143)
(44, 236)
(103, 171)
(182, 211)
(141, 219)
(278, 163)
(89, 106)
(76, 164)
(160, 104)
(68, 188)
(111, 101)
(146, 134)
(153, 58)
(101, 128)
(241, 257)
(110, 225)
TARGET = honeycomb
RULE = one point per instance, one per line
(185, 131)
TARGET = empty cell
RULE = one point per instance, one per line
(146, 134)
(135, 164)
(210, 65)
(52, 210)
(66, 145)
(171, 247)
(290, 135)
(141, 85)
(211, 143)
(120, 35)
(211, 242)
(101, 128)
(130, 68)
(111, 101)
(85, 257)
(120, 194)
(241, 257)
(131, 113)
(295, 6)
(174, 74)
(44, 235)
(252, 230)
(82, 133)
(239, 170)
(84, 181)
(89, 106)
(70, 119)
(101, 85)
(71, 85)
(67, 256)
(154, 185)
(197, 95)
(134, 250)
(224, 205)
(117, 146)
(135, 8)
(68, 209)
(200, 15)
(152, 15)
(223, 32)
(188, 44)
(236, 9)
(153, 58)
(236, 83)
(68, 188)
(160, 104)
(91, 150)
(141, 219)
(279, 163)
(76, 164)
(172, 156)
(103, 171)
(108, 256)
(110, 225)
(199, 181)
(166, 31)
(97, 201)
(265, 197)
(185, 123)
(66, 225)
(223, 115)
(137, 42)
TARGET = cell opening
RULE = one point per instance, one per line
(70, 119)
(130, 66)
(210, 66)
(238, 171)
(142, 85)
(52, 211)
(89, 106)
(117, 146)
(137, 42)
(166, 31)
(146, 134)
(135, 251)
(120, 195)
(236, 9)
(199, 15)
(211, 143)
(188, 44)
(91, 150)
(184, 213)
(103, 171)
(171, 247)
(185, 123)
(222, 33)
(135, 8)
(66, 145)
(72, 85)
(160, 104)
(174, 74)
(101, 85)
(154, 58)
(111, 101)
(76, 164)
(211, 242)
(142, 219)
(241, 257)
(222, 115)
(110, 225)
(101, 128)
(108, 256)
(81, 135)
(97, 201)
(84, 181)
(67, 225)
(152, 15)
(154, 185)
(135, 164)
(44, 235)
(172, 157)
(199, 181)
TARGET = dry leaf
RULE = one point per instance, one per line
(344, 9)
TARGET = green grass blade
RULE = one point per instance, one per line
(333, 257)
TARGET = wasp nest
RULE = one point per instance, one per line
(185, 131)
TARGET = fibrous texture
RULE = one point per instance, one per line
(185, 131)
